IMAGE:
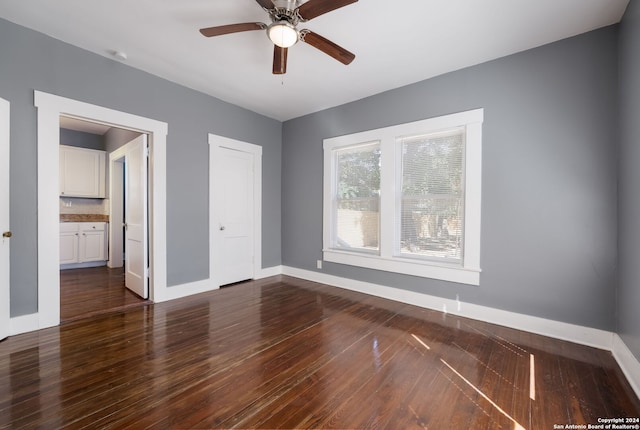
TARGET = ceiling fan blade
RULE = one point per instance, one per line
(327, 46)
(232, 28)
(314, 8)
(267, 4)
(279, 60)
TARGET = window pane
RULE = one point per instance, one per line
(431, 228)
(358, 197)
(431, 209)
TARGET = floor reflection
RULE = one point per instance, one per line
(286, 353)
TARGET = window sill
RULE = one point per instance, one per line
(424, 269)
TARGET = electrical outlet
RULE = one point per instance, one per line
(319, 264)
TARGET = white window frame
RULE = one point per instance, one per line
(467, 271)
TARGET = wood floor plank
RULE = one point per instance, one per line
(92, 291)
(288, 353)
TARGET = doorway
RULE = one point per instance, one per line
(49, 109)
(101, 276)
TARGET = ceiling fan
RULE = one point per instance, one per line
(283, 32)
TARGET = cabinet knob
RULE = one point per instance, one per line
(7, 234)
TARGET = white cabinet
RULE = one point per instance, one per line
(92, 244)
(82, 172)
(69, 240)
(83, 244)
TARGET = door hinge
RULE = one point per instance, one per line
(146, 151)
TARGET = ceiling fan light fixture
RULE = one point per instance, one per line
(283, 34)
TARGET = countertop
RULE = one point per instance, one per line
(84, 218)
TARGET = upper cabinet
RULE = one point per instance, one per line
(82, 172)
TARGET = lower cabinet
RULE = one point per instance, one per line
(83, 244)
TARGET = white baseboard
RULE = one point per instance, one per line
(628, 363)
(24, 324)
(86, 265)
(197, 287)
(269, 271)
(184, 290)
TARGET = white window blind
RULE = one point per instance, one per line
(431, 190)
(357, 198)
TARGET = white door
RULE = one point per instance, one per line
(4, 219)
(135, 248)
(235, 199)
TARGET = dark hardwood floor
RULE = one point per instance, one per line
(94, 291)
(286, 353)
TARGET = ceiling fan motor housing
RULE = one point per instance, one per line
(285, 10)
(286, 4)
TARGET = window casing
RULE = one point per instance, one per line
(406, 198)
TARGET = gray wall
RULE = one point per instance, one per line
(81, 139)
(629, 181)
(31, 60)
(549, 178)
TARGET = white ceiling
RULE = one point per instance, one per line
(396, 42)
(85, 126)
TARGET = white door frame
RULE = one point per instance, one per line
(5, 252)
(50, 108)
(215, 143)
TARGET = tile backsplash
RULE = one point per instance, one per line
(74, 205)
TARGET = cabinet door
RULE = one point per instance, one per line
(68, 247)
(93, 242)
(82, 172)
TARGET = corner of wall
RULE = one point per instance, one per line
(628, 363)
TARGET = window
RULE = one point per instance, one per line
(431, 208)
(357, 198)
(406, 198)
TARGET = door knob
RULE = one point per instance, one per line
(222, 227)
(7, 234)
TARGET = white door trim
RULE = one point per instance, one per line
(50, 107)
(5, 255)
(215, 143)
